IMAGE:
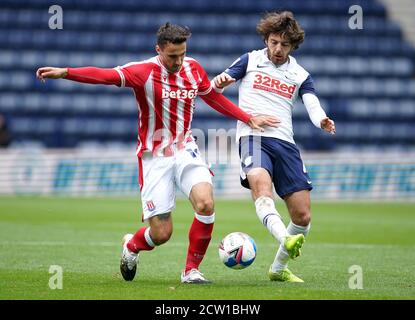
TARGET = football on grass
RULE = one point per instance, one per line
(237, 250)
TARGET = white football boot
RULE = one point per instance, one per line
(194, 276)
(129, 260)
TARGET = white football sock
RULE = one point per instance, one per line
(269, 217)
(282, 257)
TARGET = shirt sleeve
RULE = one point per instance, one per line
(237, 70)
(314, 109)
(307, 87)
(223, 105)
(133, 74)
(93, 75)
(204, 86)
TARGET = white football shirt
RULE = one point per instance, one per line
(266, 88)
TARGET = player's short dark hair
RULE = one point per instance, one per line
(283, 23)
(172, 33)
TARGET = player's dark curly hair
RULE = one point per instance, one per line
(172, 33)
(281, 23)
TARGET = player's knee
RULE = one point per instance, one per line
(161, 236)
(205, 206)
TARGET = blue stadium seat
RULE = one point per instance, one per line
(359, 74)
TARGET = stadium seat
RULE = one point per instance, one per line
(359, 74)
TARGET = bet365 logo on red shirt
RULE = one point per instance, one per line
(274, 85)
(179, 94)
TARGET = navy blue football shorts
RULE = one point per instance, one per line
(280, 158)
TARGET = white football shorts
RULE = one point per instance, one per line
(159, 176)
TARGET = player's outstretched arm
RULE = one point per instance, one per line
(223, 105)
(91, 75)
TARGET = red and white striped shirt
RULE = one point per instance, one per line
(165, 101)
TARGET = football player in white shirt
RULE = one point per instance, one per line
(270, 82)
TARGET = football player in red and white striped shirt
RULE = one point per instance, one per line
(165, 88)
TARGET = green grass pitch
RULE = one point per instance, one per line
(83, 236)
